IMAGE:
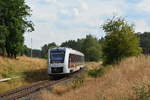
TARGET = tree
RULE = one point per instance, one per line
(3, 34)
(120, 41)
(70, 44)
(27, 52)
(3, 27)
(13, 18)
(77, 45)
(91, 48)
(45, 48)
(145, 42)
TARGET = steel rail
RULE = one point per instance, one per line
(35, 87)
(27, 90)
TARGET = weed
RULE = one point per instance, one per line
(142, 91)
(76, 83)
(8, 74)
(96, 72)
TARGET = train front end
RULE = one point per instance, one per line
(56, 61)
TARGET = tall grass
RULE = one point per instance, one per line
(30, 69)
(9, 67)
(121, 83)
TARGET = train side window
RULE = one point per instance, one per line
(69, 59)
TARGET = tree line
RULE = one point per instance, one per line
(85, 45)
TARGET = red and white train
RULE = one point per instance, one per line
(64, 61)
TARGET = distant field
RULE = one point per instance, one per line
(130, 80)
(30, 69)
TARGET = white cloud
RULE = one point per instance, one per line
(144, 5)
(61, 20)
(84, 6)
(53, 1)
(68, 14)
(141, 26)
(64, 12)
(76, 11)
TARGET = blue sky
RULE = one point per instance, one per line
(61, 20)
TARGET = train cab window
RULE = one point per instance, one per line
(57, 56)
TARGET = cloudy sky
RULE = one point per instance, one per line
(61, 20)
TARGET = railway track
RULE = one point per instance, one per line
(33, 88)
(27, 90)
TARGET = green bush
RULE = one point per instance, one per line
(77, 82)
(96, 72)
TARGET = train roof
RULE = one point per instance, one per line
(68, 49)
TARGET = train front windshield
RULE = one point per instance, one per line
(57, 56)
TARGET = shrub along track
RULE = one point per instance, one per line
(22, 92)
